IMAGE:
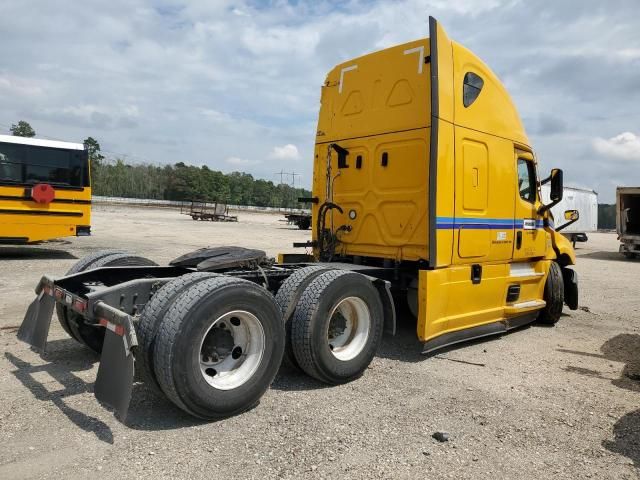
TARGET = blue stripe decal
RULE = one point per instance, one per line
(447, 223)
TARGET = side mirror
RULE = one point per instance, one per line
(556, 185)
(571, 215)
(556, 189)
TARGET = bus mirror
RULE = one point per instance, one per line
(556, 185)
(571, 215)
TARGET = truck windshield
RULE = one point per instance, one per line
(28, 164)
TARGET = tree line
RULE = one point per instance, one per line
(186, 182)
(118, 178)
(606, 216)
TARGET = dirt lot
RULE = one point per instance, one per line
(559, 402)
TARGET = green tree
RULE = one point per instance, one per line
(95, 158)
(22, 129)
(187, 182)
(93, 148)
(606, 216)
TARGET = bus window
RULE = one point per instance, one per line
(11, 160)
(29, 164)
(48, 166)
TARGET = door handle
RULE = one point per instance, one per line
(476, 273)
(518, 239)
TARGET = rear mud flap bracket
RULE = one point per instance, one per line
(114, 382)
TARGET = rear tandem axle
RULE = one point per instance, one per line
(207, 330)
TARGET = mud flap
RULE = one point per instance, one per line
(35, 326)
(570, 278)
(114, 382)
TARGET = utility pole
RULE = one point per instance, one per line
(282, 173)
(293, 178)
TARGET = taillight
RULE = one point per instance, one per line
(79, 305)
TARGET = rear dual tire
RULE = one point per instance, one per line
(81, 265)
(218, 347)
(337, 326)
(287, 299)
(149, 322)
(73, 323)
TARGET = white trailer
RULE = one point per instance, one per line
(583, 200)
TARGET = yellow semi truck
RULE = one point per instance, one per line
(425, 191)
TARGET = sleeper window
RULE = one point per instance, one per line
(471, 88)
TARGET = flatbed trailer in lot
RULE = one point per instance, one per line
(425, 197)
(210, 211)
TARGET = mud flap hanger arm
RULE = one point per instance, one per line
(114, 382)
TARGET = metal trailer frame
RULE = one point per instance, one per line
(301, 220)
(211, 211)
(113, 297)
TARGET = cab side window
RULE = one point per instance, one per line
(526, 180)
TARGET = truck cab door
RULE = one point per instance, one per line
(529, 235)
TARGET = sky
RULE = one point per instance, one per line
(235, 85)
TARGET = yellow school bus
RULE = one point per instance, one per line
(45, 190)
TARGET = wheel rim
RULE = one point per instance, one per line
(231, 350)
(348, 329)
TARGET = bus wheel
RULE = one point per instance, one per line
(553, 295)
(90, 335)
(337, 326)
(219, 347)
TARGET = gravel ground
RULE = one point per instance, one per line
(560, 402)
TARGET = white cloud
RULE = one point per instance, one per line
(629, 53)
(11, 85)
(239, 13)
(215, 115)
(221, 82)
(240, 162)
(286, 152)
(625, 146)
